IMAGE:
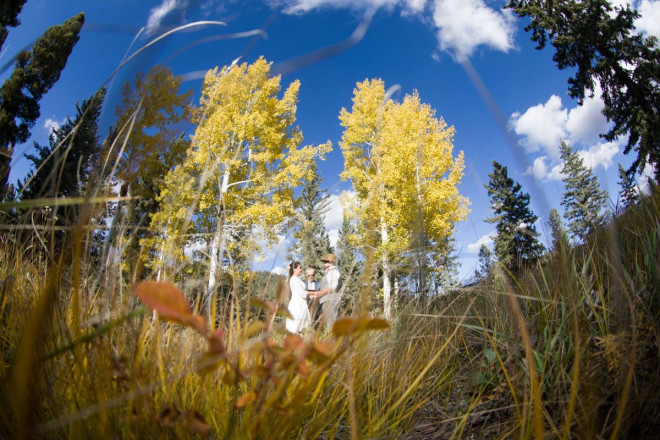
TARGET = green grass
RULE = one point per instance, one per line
(569, 350)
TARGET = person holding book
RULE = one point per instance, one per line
(310, 280)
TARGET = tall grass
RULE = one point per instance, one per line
(569, 350)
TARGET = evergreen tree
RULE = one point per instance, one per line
(485, 263)
(148, 135)
(598, 40)
(559, 235)
(628, 194)
(311, 240)
(9, 10)
(516, 243)
(583, 200)
(62, 168)
(349, 264)
(35, 73)
(445, 264)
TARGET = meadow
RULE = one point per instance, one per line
(567, 350)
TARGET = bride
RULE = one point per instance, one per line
(298, 304)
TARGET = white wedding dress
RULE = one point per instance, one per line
(298, 307)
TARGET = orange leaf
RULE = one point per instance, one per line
(372, 324)
(344, 326)
(303, 368)
(246, 399)
(196, 422)
(169, 302)
(216, 344)
(319, 351)
(293, 342)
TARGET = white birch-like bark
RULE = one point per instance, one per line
(387, 306)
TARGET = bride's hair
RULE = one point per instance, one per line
(292, 266)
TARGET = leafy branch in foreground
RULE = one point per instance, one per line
(263, 371)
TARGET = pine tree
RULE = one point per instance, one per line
(583, 200)
(311, 240)
(347, 252)
(35, 73)
(62, 168)
(598, 40)
(9, 10)
(445, 265)
(147, 135)
(485, 263)
(559, 235)
(516, 243)
(629, 193)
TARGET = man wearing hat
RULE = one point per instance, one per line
(328, 292)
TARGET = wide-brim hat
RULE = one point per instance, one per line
(329, 258)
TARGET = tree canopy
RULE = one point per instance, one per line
(582, 199)
(516, 243)
(599, 42)
(399, 158)
(36, 71)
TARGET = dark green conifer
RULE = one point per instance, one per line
(516, 243)
(61, 169)
(598, 41)
(559, 235)
(35, 73)
(349, 264)
(9, 10)
(628, 194)
(583, 200)
(310, 239)
(485, 263)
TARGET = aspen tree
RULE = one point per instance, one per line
(399, 159)
(240, 172)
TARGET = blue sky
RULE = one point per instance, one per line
(469, 59)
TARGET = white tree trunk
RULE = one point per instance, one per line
(387, 302)
(213, 265)
(217, 245)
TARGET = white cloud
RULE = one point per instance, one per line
(542, 125)
(649, 22)
(52, 124)
(587, 121)
(335, 215)
(464, 25)
(643, 181)
(160, 12)
(280, 270)
(303, 6)
(487, 239)
(272, 254)
(461, 26)
(541, 171)
(599, 155)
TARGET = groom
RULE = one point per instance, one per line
(328, 292)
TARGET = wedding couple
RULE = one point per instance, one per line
(328, 294)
